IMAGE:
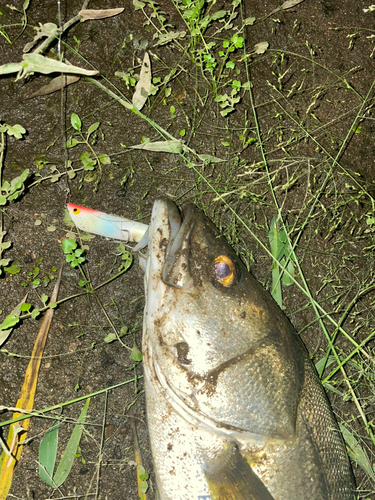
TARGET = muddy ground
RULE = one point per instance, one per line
(337, 36)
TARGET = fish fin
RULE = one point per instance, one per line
(230, 477)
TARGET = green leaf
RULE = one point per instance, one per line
(16, 130)
(8, 68)
(110, 338)
(68, 245)
(324, 363)
(138, 5)
(210, 159)
(218, 15)
(104, 159)
(70, 143)
(3, 200)
(76, 122)
(92, 128)
(135, 354)
(10, 321)
(357, 453)
(67, 459)
(47, 453)
(35, 313)
(15, 268)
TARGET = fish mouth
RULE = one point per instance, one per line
(169, 242)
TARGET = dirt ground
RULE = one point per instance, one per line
(339, 37)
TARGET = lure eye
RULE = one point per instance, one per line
(76, 211)
(225, 270)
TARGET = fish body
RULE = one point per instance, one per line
(235, 408)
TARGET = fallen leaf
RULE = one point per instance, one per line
(36, 63)
(261, 47)
(161, 146)
(143, 87)
(88, 14)
(287, 5)
(55, 84)
(45, 30)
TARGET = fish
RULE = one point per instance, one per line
(235, 408)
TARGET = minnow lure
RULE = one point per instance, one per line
(110, 226)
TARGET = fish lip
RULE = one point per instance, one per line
(166, 220)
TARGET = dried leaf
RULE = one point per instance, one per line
(45, 30)
(287, 5)
(143, 87)
(55, 84)
(88, 14)
(261, 47)
(36, 63)
(161, 146)
(8, 68)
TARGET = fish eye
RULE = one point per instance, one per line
(225, 270)
(76, 211)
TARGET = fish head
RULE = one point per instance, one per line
(209, 325)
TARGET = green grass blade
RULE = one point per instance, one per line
(67, 459)
(274, 240)
(47, 453)
(357, 453)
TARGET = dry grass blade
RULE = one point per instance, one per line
(95, 14)
(138, 459)
(16, 436)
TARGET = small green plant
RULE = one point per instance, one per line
(89, 159)
(73, 254)
(9, 191)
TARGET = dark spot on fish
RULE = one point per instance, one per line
(169, 446)
(163, 243)
(198, 333)
(182, 352)
(243, 315)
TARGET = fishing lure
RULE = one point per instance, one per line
(109, 226)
